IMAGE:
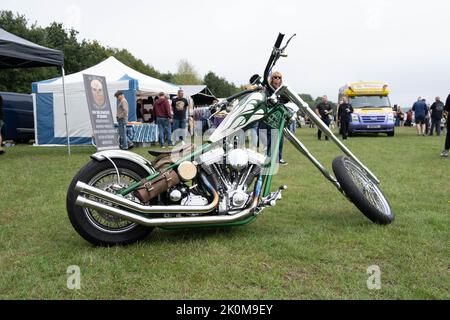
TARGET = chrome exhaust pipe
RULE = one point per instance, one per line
(160, 222)
(128, 204)
(176, 221)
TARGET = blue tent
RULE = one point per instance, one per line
(48, 100)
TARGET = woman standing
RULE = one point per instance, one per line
(275, 80)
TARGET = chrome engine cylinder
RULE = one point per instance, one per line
(237, 159)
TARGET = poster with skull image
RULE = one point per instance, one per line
(100, 112)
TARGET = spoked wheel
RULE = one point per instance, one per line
(101, 228)
(362, 191)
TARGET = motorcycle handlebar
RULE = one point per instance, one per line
(279, 40)
(272, 57)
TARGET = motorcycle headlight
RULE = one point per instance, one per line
(355, 118)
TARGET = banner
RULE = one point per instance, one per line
(100, 112)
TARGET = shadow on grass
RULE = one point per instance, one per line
(341, 220)
(368, 135)
(356, 222)
(172, 237)
(195, 234)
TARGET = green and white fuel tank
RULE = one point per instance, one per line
(249, 109)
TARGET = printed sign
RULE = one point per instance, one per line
(100, 112)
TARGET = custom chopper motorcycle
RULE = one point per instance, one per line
(119, 197)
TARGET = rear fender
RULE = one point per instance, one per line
(124, 155)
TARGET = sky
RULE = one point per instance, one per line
(405, 43)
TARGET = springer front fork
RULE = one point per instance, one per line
(295, 98)
(301, 147)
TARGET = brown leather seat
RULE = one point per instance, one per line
(179, 149)
(158, 152)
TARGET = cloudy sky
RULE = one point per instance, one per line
(405, 43)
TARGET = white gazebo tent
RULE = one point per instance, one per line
(48, 101)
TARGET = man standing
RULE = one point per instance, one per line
(179, 107)
(447, 137)
(122, 120)
(163, 114)
(1, 125)
(420, 110)
(344, 116)
(437, 109)
(427, 118)
(323, 109)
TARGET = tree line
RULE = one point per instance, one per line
(79, 55)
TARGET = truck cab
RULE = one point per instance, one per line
(372, 108)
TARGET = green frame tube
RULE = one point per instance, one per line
(273, 159)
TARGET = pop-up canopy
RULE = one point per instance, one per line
(16, 52)
(199, 93)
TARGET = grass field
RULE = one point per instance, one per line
(313, 245)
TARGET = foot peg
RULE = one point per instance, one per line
(271, 199)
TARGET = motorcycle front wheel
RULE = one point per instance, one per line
(362, 191)
(100, 228)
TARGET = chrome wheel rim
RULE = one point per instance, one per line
(367, 187)
(103, 221)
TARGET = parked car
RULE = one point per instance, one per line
(18, 117)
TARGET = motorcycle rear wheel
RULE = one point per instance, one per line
(99, 228)
(362, 191)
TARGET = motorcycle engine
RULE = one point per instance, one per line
(232, 173)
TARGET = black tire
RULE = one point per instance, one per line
(391, 134)
(86, 221)
(372, 203)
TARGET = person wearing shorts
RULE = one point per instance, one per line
(420, 110)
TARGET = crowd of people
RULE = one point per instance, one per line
(178, 115)
(175, 115)
(343, 117)
(428, 119)
(168, 115)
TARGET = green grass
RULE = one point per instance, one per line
(313, 245)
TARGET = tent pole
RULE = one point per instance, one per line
(65, 109)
